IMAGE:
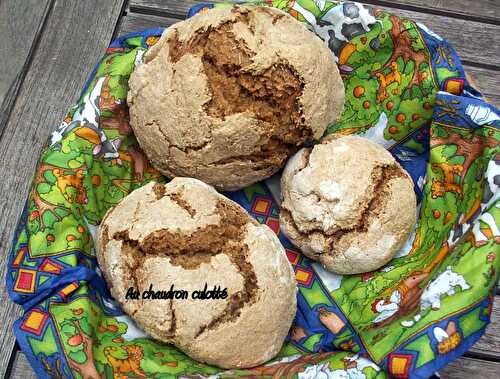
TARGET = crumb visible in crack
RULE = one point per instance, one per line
(271, 95)
(239, 299)
(177, 198)
(190, 251)
(132, 261)
(381, 176)
(275, 16)
(173, 322)
(305, 161)
(159, 190)
(105, 236)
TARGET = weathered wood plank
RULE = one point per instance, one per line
(481, 10)
(488, 82)
(21, 23)
(478, 44)
(75, 36)
(471, 368)
(21, 368)
(462, 368)
(486, 79)
(489, 344)
(172, 8)
(134, 22)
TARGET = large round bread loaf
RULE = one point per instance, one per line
(229, 94)
(186, 234)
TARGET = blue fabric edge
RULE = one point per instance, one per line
(423, 372)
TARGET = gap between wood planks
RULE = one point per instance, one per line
(10, 96)
(460, 9)
(464, 367)
(485, 11)
(161, 21)
(469, 37)
(487, 79)
(72, 38)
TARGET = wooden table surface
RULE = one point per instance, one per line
(49, 47)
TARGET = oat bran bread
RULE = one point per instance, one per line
(347, 203)
(229, 94)
(185, 233)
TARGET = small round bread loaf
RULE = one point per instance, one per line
(348, 204)
(186, 234)
(229, 94)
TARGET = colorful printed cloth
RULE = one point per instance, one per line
(406, 90)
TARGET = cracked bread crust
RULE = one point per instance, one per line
(228, 95)
(348, 204)
(185, 233)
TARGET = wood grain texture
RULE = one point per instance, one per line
(478, 44)
(489, 344)
(464, 367)
(486, 79)
(481, 10)
(471, 368)
(488, 82)
(21, 368)
(75, 36)
(169, 8)
(134, 22)
(35, 114)
(21, 23)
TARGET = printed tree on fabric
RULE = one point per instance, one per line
(406, 90)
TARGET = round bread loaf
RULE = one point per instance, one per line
(348, 204)
(229, 94)
(186, 234)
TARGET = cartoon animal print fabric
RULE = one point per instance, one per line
(406, 90)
